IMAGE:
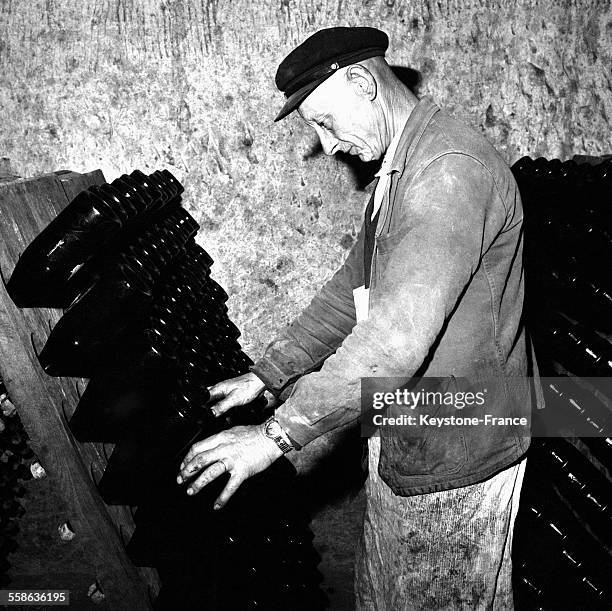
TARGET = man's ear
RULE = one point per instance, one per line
(363, 80)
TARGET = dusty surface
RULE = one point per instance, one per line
(188, 85)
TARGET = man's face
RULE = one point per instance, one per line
(343, 117)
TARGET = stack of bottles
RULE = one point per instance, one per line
(15, 459)
(146, 323)
(568, 244)
(562, 546)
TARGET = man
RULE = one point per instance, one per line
(433, 286)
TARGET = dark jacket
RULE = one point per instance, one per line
(446, 298)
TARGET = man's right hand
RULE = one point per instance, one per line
(235, 392)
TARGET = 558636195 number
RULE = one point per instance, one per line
(34, 597)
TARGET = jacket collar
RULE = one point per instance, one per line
(416, 124)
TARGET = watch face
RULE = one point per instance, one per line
(273, 429)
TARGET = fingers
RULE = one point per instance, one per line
(205, 445)
(242, 451)
(211, 474)
(222, 389)
(272, 401)
(234, 482)
(199, 462)
(218, 391)
(223, 396)
(223, 406)
(234, 393)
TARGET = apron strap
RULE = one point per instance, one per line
(370, 232)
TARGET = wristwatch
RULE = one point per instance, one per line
(273, 430)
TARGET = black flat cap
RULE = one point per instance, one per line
(319, 56)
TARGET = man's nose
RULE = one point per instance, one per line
(329, 143)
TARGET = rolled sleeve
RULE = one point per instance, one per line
(450, 216)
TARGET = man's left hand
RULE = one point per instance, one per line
(242, 451)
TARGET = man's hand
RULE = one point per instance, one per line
(242, 451)
(235, 392)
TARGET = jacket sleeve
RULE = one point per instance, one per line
(450, 216)
(317, 331)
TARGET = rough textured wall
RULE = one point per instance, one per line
(188, 85)
(124, 84)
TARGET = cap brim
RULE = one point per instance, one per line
(295, 99)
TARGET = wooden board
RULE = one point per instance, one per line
(45, 403)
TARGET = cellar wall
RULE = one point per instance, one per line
(189, 85)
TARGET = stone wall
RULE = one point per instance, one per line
(188, 85)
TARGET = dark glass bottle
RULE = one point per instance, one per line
(196, 259)
(579, 350)
(129, 395)
(190, 398)
(577, 294)
(182, 222)
(67, 243)
(581, 484)
(170, 195)
(139, 199)
(81, 339)
(171, 179)
(120, 205)
(157, 197)
(153, 251)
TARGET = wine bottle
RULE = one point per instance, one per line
(81, 339)
(74, 236)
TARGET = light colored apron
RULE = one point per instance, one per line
(443, 550)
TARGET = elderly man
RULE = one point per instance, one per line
(432, 287)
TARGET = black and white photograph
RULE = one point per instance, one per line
(306, 305)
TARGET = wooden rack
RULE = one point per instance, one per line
(45, 404)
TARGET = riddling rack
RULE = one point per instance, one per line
(562, 552)
(146, 324)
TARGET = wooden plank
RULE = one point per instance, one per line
(74, 182)
(26, 207)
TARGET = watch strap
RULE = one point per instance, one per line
(282, 440)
